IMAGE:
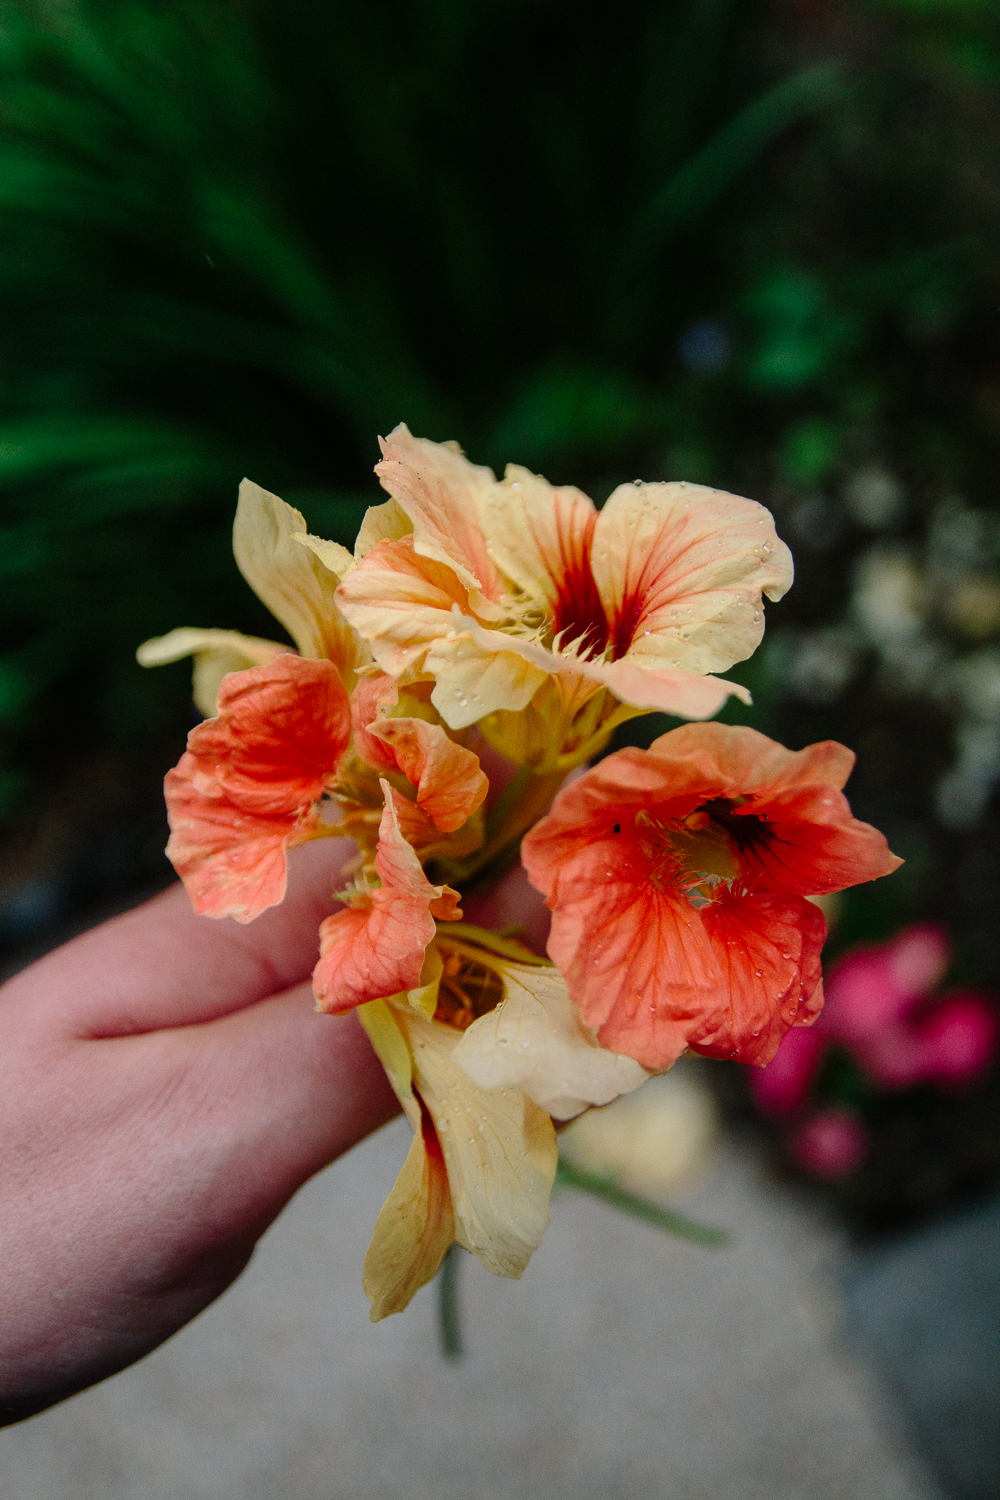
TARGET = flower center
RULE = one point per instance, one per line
(578, 617)
(701, 851)
(468, 990)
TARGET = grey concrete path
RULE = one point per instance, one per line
(624, 1366)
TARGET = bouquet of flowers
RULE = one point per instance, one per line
(486, 629)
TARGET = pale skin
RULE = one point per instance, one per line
(166, 1087)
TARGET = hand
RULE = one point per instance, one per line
(165, 1087)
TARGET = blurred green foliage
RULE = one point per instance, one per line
(743, 242)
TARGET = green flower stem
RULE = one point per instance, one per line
(608, 1191)
(449, 1321)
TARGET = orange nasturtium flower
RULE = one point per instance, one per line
(677, 877)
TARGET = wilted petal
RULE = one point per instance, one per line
(536, 1039)
(290, 579)
(377, 949)
(216, 653)
(449, 783)
(681, 569)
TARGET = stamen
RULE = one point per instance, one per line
(468, 990)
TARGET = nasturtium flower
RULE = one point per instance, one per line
(482, 1054)
(678, 880)
(497, 590)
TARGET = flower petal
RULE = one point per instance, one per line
(291, 580)
(499, 1149)
(400, 602)
(541, 537)
(535, 1039)
(216, 653)
(635, 954)
(753, 763)
(375, 950)
(441, 493)
(413, 1231)
(681, 569)
(246, 789)
(768, 950)
(450, 784)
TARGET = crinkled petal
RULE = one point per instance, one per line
(768, 950)
(246, 789)
(751, 762)
(232, 863)
(375, 950)
(450, 784)
(499, 1149)
(370, 696)
(635, 954)
(280, 735)
(681, 569)
(216, 653)
(536, 1040)
(441, 493)
(290, 579)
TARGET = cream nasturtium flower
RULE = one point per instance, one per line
(483, 1052)
(501, 591)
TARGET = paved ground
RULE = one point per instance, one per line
(624, 1366)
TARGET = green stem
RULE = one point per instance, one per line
(608, 1191)
(449, 1322)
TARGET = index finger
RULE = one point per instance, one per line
(161, 965)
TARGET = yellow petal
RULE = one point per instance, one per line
(499, 1148)
(680, 570)
(382, 523)
(332, 555)
(536, 1039)
(393, 1051)
(215, 652)
(413, 1231)
(291, 580)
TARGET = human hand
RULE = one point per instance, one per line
(165, 1087)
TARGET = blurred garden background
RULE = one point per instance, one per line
(749, 243)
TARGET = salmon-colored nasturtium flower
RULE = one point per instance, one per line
(513, 612)
(503, 591)
(678, 879)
